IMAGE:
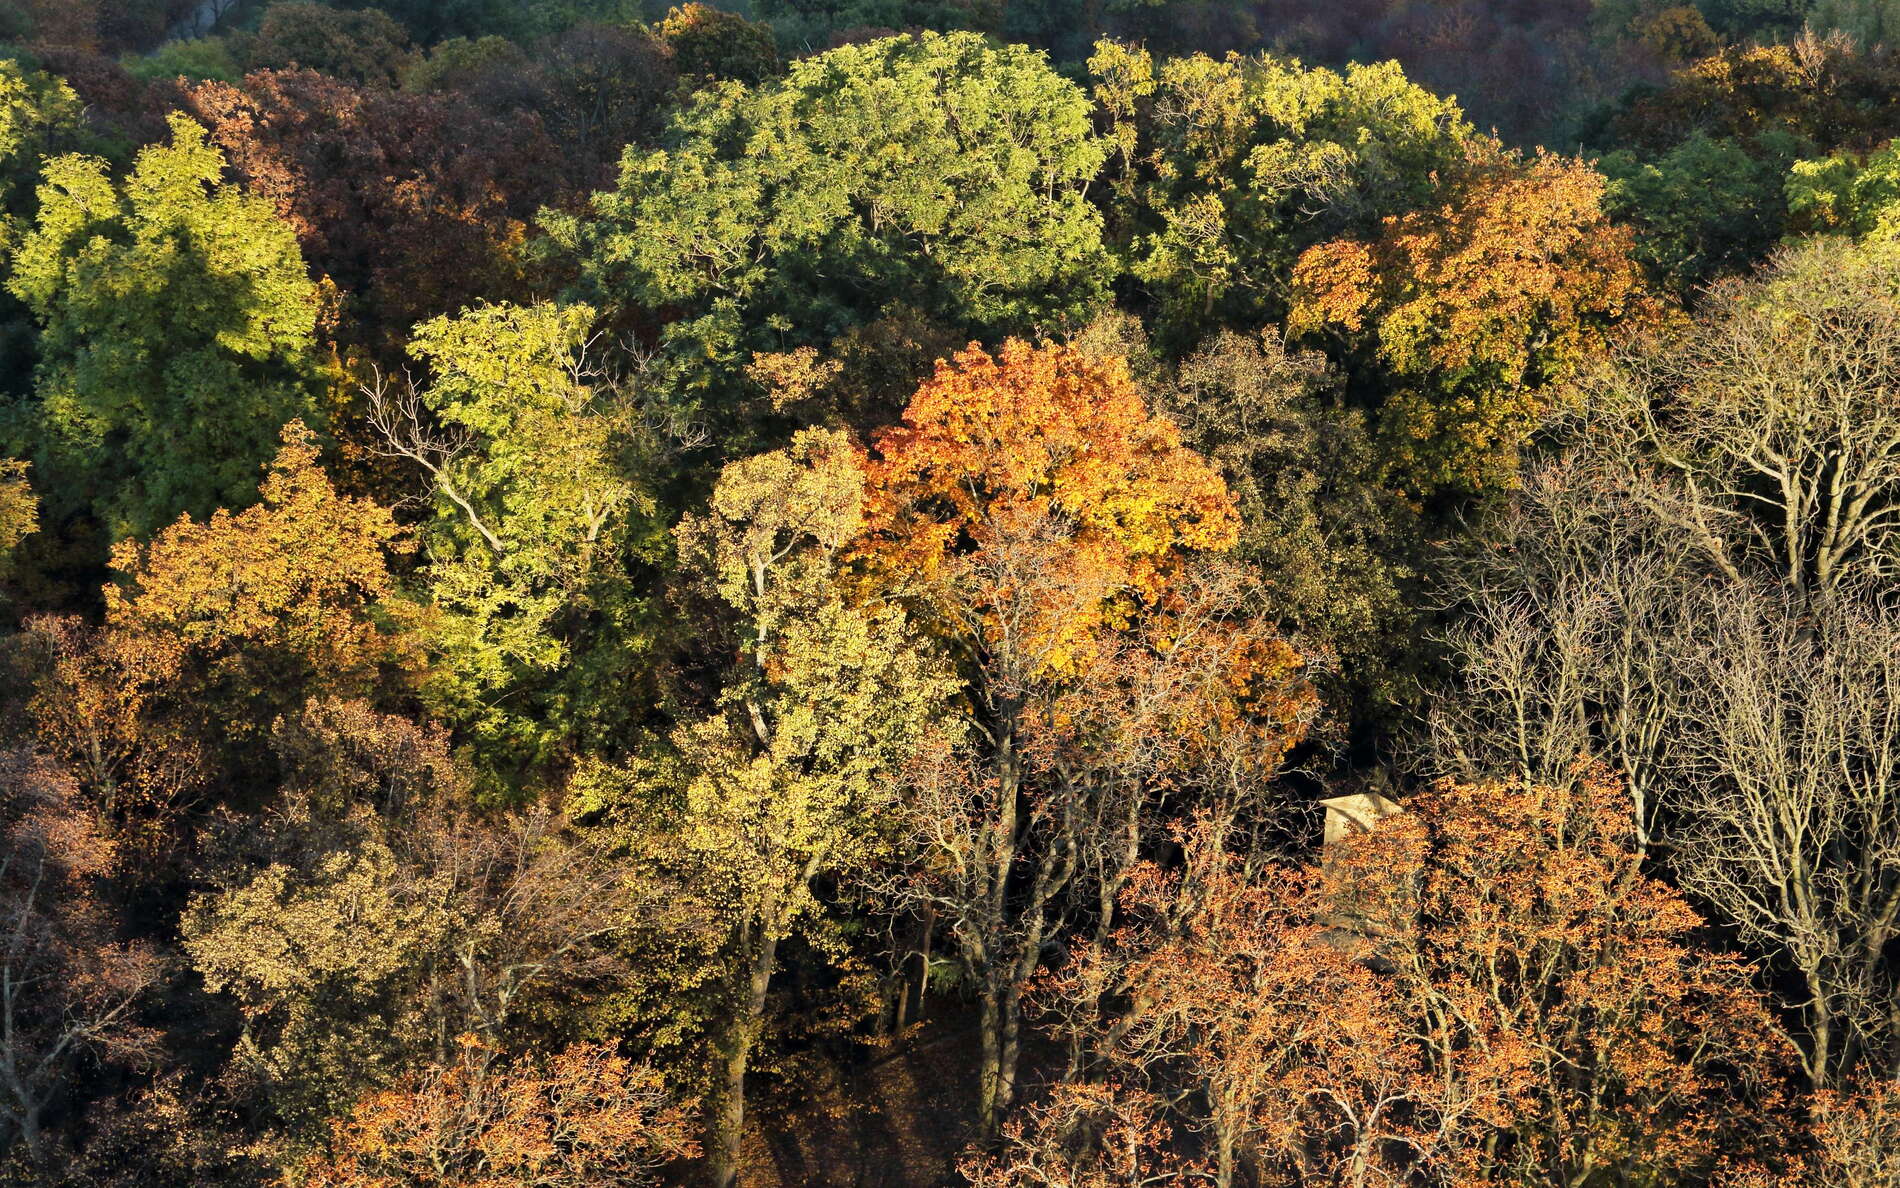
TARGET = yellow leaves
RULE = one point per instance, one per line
(286, 586)
(1479, 307)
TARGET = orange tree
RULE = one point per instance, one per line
(586, 1118)
(1065, 545)
(1467, 315)
(217, 628)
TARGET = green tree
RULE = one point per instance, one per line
(177, 332)
(1704, 209)
(533, 462)
(937, 174)
(39, 116)
(1848, 194)
(1227, 169)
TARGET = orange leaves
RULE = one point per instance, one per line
(1038, 477)
(589, 1118)
(276, 598)
(1483, 990)
(1476, 306)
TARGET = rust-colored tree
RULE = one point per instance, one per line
(1485, 990)
(415, 205)
(586, 1118)
(69, 985)
(247, 614)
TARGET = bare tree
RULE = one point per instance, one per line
(68, 986)
(1777, 412)
(1574, 616)
(1789, 759)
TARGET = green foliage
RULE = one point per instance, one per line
(1228, 169)
(1848, 195)
(1703, 209)
(19, 510)
(460, 61)
(940, 173)
(39, 116)
(196, 59)
(364, 46)
(785, 777)
(710, 44)
(540, 517)
(1869, 22)
(177, 333)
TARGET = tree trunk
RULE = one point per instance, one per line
(726, 1125)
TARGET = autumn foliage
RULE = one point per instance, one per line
(1023, 592)
(1045, 450)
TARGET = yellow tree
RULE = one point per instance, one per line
(269, 605)
(1473, 311)
(784, 777)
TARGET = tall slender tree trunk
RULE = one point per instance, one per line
(733, 1050)
(990, 1079)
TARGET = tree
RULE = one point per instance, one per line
(1704, 209)
(1484, 990)
(1338, 553)
(589, 1118)
(264, 608)
(40, 117)
(787, 776)
(1476, 310)
(1224, 171)
(370, 918)
(414, 205)
(709, 44)
(939, 173)
(1047, 527)
(69, 985)
(1825, 91)
(534, 463)
(19, 510)
(1848, 194)
(1788, 757)
(1699, 592)
(177, 326)
(1774, 415)
(363, 46)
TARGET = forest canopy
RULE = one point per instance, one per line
(1014, 593)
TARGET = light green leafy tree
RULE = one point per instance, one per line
(177, 336)
(533, 460)
(936, 174)
(786, 776)
(39, 117)
(1848, 194)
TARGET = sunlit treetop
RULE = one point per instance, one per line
(942, 174)
(1044, 458)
